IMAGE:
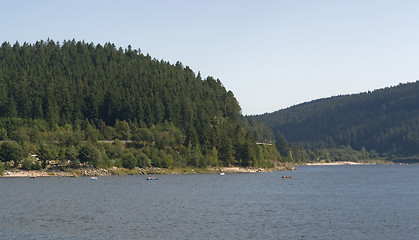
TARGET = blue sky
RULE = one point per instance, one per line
(270, 54)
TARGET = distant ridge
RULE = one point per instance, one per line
(385, 120)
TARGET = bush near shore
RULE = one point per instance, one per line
(1, 168)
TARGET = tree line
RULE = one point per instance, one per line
(383, 122)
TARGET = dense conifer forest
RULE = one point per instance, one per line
(77, 102)
(384, 122)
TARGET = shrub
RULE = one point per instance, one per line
(1, 168)
(129, 161)
(27, 163)
(89, 153)
(11, 150)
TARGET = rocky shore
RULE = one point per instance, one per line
(89, 171)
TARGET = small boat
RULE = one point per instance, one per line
(221, 174)
(152, 178)
(93, 178)
(286, 176)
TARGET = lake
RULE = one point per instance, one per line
(332, 202)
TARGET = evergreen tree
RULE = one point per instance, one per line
(11, 151)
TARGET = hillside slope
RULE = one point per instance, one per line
(107, 93)
(385, 120)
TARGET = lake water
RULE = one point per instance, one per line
(335, 202)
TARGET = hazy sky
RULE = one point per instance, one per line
(270, 54)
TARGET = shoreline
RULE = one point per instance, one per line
(115, 171)
(88, 172)
(342, 163)
(336, 163)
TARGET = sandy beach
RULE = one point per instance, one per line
(338, 163)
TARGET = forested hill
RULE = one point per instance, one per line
(83, 81)
(112, 93)
(385, 120)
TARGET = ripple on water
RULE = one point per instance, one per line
(342, 202)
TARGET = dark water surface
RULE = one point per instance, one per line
(335, 202)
